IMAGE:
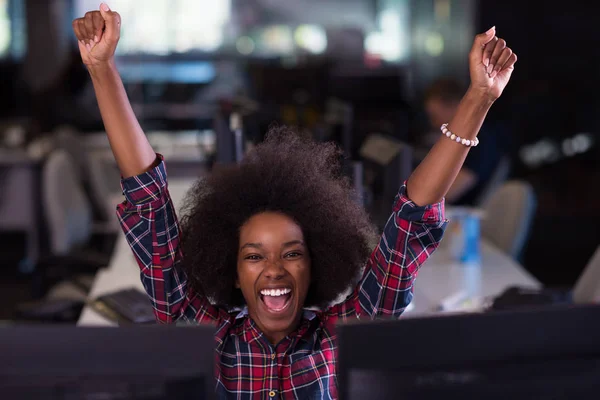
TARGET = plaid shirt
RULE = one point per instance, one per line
(303, 365)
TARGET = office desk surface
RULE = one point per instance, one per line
(439, 279)
(122, 271)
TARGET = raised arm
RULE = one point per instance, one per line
(490, 64)
(417, 222)
(147, 216)
(98, 34)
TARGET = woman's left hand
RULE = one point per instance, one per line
(491, 64)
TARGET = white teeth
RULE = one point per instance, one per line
(275, 292)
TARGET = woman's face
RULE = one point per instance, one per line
(273, 269)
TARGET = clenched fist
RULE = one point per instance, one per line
(98, 33)
(491, 64)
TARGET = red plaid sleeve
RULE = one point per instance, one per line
(148, 219)
(409, 237)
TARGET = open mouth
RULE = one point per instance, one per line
(276, 300)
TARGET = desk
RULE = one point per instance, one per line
(443, 278)
(439, 279)
(122, 271)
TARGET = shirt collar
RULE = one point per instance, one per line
(307, 314)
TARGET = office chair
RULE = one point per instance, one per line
(508, 214)
(499, 176)
(70, 264)
(99, 180)
(104, 178)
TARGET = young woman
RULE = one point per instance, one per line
(264, 241)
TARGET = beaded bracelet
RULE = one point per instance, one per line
(458, 139)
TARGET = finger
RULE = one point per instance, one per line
(488, 51)
(510, 63)
(504, 56)
(76, 29)
(98, 23)
(82, 30)
(498, 49)
(507, 68)
(89, 26)
(480, 42)
(112, 21)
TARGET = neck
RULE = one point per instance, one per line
(274, 337)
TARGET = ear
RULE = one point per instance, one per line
(237, 283)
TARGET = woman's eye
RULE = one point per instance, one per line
(292, 254)
(253, 257)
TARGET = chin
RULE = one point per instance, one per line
(277, 308)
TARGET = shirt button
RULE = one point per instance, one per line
(272, 393)
(272, 358)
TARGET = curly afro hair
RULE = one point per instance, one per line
(287, 173)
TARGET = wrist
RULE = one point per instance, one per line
(98, 70)
(480, 96)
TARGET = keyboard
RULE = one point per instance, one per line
(126, 306)
(516, 297)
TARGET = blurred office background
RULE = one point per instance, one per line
(351, 71)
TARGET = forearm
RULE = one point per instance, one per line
(409, 237)
(152, 230)
(434, 176)
(130, 146)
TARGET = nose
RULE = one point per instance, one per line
(274, 269)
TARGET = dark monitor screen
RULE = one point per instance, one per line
(388, 162)
(547, 354)
(148, 363)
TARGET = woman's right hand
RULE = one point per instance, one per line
(98, 33)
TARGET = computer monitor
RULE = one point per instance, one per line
(391, 160)
(230, 138)
(552, 353)
(60, 363)
(394, 158)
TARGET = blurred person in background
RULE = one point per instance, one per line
(441, 102)
(267, 247)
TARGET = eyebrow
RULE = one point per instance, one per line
(260, 245)
(252, 245)
(293, 243)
